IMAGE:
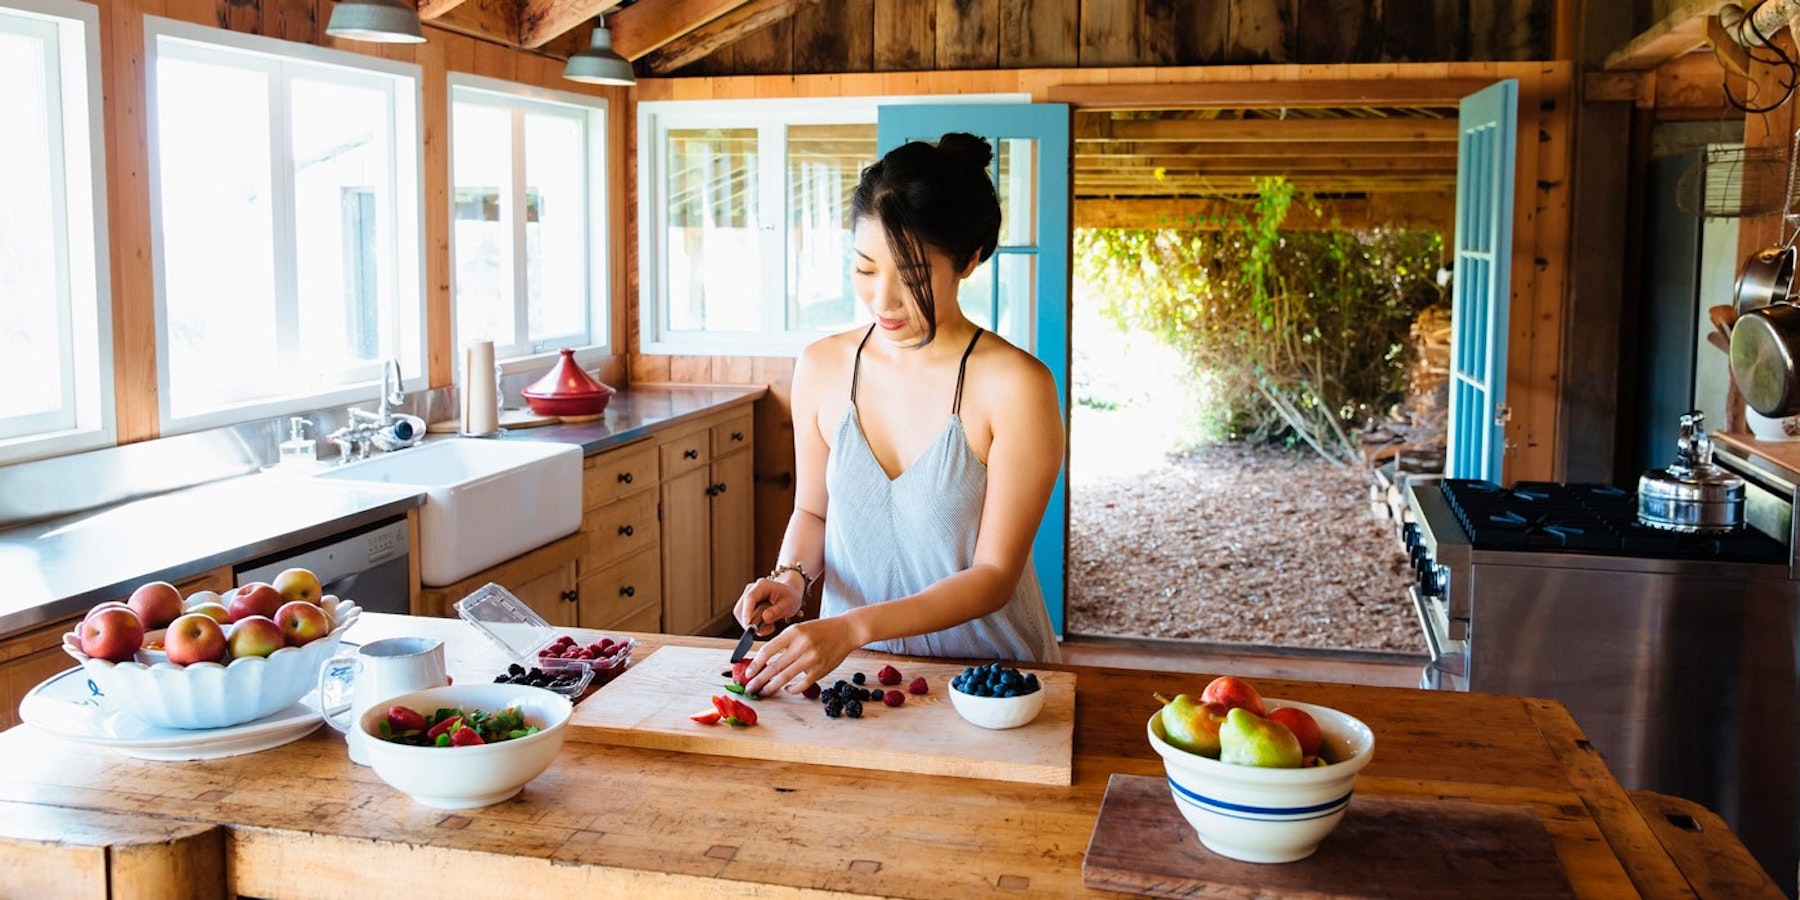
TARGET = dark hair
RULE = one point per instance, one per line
(938, 195)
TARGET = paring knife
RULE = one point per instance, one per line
(743, 645)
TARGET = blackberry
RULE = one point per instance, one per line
(859, 678)
(501, 679)
(833, 710)
(853, 709)
(515, 669)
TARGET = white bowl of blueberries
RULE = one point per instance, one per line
(996, 696)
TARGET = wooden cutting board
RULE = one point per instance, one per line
(1385, 847)
(509, 418)
(649, 705)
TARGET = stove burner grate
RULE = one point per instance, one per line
(1595, 518)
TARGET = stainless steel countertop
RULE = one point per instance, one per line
(57, 568)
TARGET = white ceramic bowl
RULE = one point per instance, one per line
(1268, 815)
(213, 695)
(999, 712)
(467, 777)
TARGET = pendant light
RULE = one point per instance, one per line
(598, 64)
(380, 21)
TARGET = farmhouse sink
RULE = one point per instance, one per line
(486, 501)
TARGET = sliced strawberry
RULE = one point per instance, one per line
(710, 717)
(465, 737)
(723, 705)
(739, 671)
(743, 711)
(448, 726)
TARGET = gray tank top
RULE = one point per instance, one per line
(889, 538)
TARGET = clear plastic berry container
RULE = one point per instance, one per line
(528, 640)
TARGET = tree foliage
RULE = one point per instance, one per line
(1298, 334)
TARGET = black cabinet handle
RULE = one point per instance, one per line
(691, 453)
(570, 595)
(628, 591)
(624, 477)
(737, 435)
(625, 530)
(719, 488)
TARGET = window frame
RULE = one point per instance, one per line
(74, 107)
(770, 118)
(406, 175)
(517, 98)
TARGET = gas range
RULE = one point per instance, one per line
(1555, 590)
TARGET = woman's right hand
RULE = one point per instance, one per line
(765, 602)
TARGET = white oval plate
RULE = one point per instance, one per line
(69, 705)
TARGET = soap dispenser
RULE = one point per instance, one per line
(299, 449)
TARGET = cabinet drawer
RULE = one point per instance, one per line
(645, 621)
(686, 453)
(732, 434)
(608, 476)
(620, 529)
(621, 590)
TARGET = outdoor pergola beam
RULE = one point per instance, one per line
(1090, 128)
(1274, 165)
(643, 27)
(702, 41)
(1218, 149)
(1367, 92)
(541, 21)
(1681, 31)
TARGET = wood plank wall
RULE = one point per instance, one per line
(1540, 235)
(302, 21)
(914, 35)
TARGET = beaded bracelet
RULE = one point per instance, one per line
(806, 581)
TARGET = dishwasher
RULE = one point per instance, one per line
(367, 566)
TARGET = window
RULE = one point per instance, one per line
(529, 217)
(745, 244)
(55, 322)
(286, 195)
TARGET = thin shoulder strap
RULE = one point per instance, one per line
(856, 367)
(961, 370)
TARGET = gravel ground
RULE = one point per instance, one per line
(1238, 544)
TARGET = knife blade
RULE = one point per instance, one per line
(743, 645)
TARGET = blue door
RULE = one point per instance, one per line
(1482, 286)
(1022, 292)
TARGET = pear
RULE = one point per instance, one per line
(1191, 725)
(1247, 739)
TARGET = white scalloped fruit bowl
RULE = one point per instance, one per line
(210, 694)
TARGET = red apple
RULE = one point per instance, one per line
(302, 622)
(110, 604)
(214, 611)
(194, 638)
(1302, 725)
(157, 603)
(1233, 692)
(298, 584)
(254, 599)
(113, 633)
(255, 636)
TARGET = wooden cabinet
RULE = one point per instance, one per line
(27, 659)
(544, 578)
(620, 584)
(708, 510)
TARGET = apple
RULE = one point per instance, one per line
(1233, 692)
(214, 611)
(194, 638)
(302, 622)
(157, 603)
(254, 599)
(110, 604)
(255, 636)
(201, 598)
(298, 584)
(113, 633)
(1304, 727)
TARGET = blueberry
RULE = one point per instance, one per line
(859, 678)
(1031, 683)
(877, 695)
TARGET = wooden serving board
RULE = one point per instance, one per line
(648, 706)
(1385, 847)
(509, 418)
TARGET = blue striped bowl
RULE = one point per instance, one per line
(1268, 815)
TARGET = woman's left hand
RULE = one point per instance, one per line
(800, 656)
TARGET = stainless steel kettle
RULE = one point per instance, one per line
(1692, 494)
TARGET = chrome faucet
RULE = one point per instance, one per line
(383, 429)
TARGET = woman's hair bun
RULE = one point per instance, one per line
(967, 146)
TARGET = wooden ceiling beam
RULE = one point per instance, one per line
(1319, 94)
(1129, 149)
(1246, 186)
(702, 41)
(541, 21)
(1200, 162)
(645, 26)
(494, 21)
(1091, 128)
(1679, 32)
(431, 9)
(1404, 210)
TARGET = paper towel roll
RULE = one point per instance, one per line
(481, 400)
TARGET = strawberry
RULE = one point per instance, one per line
(742, 712)
(447, 726)
(710, 717)
(400, 718)
(465, 737)
(723, 705)
(739, 670)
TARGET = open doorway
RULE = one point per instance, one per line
(1226, 449)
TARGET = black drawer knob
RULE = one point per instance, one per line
(719, 488)
(737, 435)
(624, 477)
(625, 530)
(691, 453)
(571, 595)
(628, 591)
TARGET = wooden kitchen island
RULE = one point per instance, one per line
(302, 821)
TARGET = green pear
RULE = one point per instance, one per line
(1247, 739)
(1191, 725)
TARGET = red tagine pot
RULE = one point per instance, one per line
(567, 390)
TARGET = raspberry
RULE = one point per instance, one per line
(894, 698)
(813, 691)
(918, 686)
(889, 675)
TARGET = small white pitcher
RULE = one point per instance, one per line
(376, 671)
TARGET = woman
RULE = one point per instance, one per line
(925, 447)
